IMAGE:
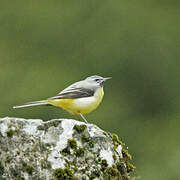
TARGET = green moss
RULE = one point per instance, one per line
(75, 178)
(126, 155)
(83, 170)
(95, 174)
(80, 152)
(124, 169)
(84, 138)
(10, 132)
(79, 128)
(104, 164)
(1, 169)
(126, 158)
(110, 173)
(67, 165)
(53, 123)
(65, 174)
(99, 159)
(62, 173)
(72, 143)
(120, 166)
(45, 164)
(125, 177)
(114, 157)
(130, 167)
(27, 168)
(105, 133)
(91, 144)
(66, 151)
(92, 176)
(116, 139)
(113, 172)
(75, 169)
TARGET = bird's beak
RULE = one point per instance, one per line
(107, 78)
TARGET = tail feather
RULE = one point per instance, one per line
(35, 103)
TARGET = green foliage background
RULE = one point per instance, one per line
(47, 45)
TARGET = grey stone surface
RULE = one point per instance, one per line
(60, 149)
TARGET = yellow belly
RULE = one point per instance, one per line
(80, 105)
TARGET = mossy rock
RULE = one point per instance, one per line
(61, 149)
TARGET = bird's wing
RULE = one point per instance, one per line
(73, 91)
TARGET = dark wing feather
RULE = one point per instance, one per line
(74, 93)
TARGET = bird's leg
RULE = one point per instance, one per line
(83, 118)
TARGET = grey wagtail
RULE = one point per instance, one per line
(79, 98)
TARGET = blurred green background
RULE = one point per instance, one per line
(47, 45)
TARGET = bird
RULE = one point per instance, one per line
(80, 98)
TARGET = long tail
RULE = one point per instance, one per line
(35, 103)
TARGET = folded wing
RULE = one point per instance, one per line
(72, 93)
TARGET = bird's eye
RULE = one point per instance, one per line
(97, 80)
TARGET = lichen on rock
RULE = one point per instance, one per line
(60, 149)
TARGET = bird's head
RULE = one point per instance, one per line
(97, 80)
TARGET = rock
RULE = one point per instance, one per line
(60, 149)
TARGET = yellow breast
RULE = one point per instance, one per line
(80, 105)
